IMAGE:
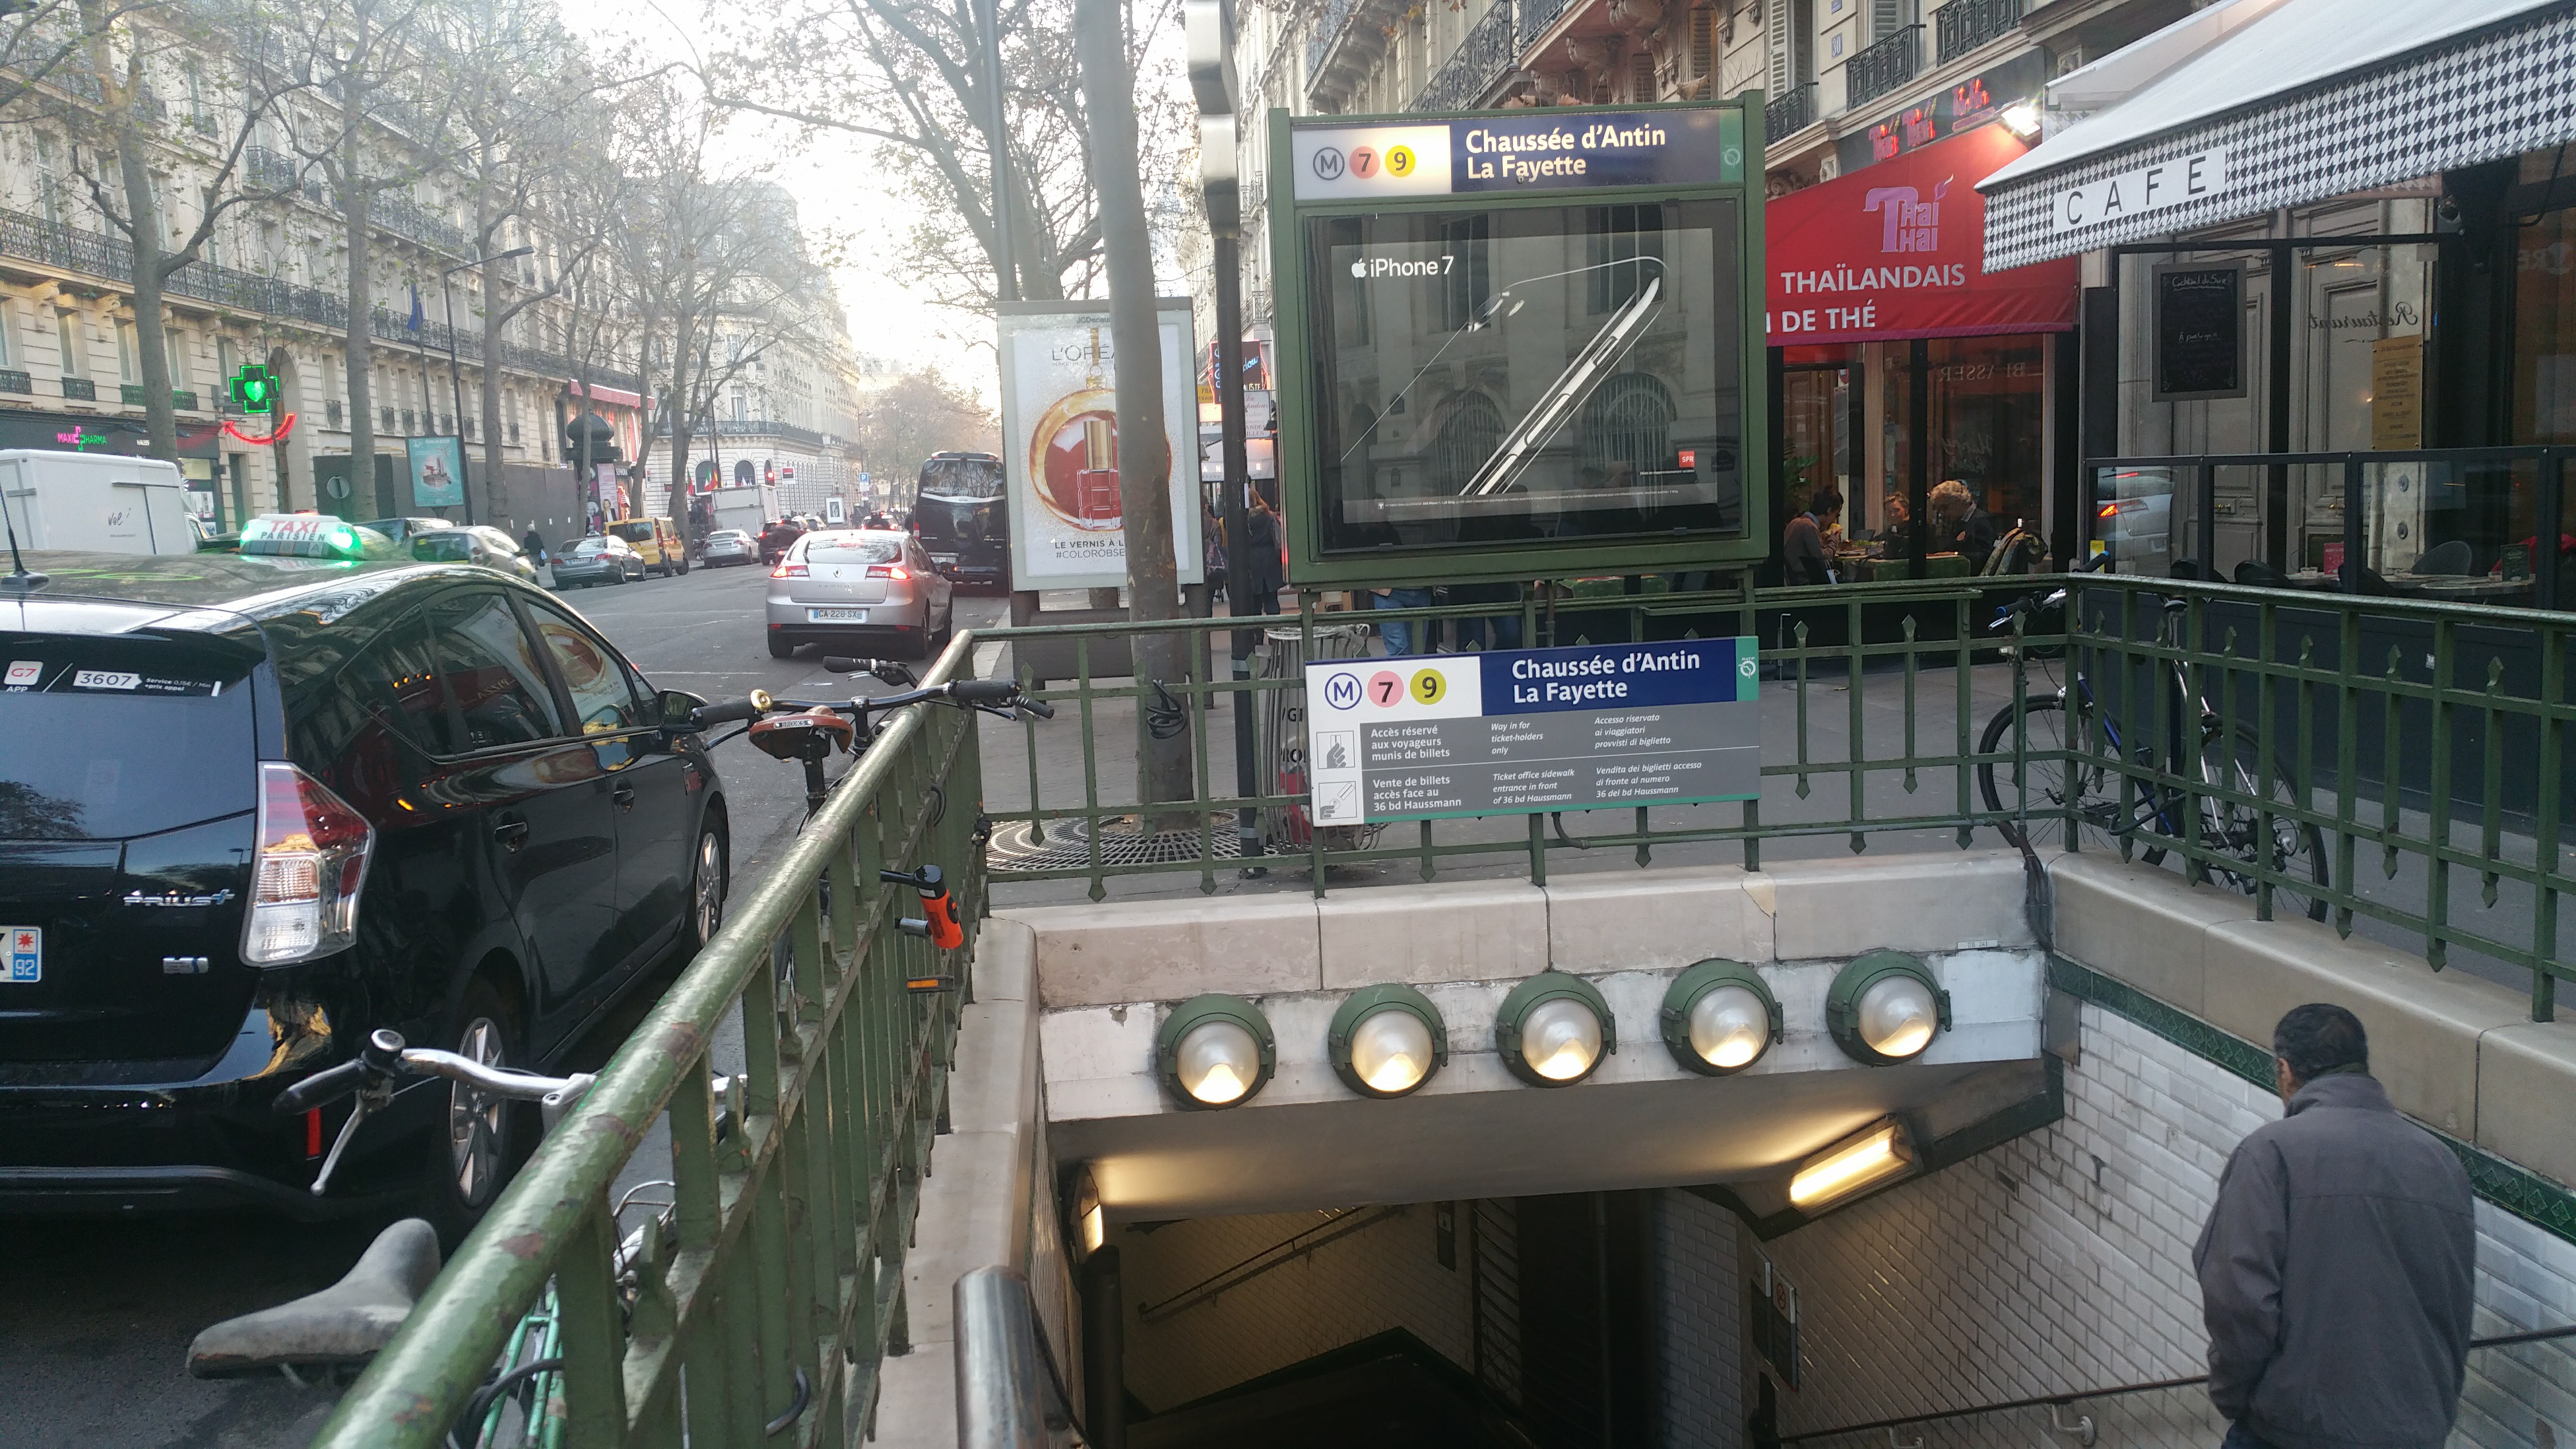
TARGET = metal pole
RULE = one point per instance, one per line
(456, 383)
(2355, 532)
(1104, 1351)
(1238, 471)
(1000, 1403)
(2544, 543)
(1918, 455)
(2276, 387)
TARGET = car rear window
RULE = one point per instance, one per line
(850, 549)
(633, 532)
(448, 545)
(137, 736)
(588, 548)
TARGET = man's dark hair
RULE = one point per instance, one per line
(1826, 502)
(2317, 1038)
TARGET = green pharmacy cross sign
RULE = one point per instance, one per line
(254, 387)
(1521, 344)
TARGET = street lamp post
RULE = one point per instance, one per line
(456, 375)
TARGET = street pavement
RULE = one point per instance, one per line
(95, 1316)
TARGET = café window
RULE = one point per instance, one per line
(1528, 373)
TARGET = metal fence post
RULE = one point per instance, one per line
(2355, 535)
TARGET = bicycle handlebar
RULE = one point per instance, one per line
(732, 711)
(385, 1057)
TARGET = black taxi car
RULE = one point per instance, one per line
(254, 807)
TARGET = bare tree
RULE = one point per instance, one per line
(1144, 448)
(48, 41)
(129, 128)
(375, 122)
(909, 75)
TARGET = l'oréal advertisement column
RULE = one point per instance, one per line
(1060, 444)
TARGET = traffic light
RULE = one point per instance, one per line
(254, 388)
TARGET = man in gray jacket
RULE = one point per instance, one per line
(2335, 1269)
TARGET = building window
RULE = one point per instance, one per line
(331, 414)
(129, 353)
(388, 419)
(67, 334)
(8, 333)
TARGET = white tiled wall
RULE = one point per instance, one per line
(2062, 1260)
(1701, 1321)
(1387, 1275)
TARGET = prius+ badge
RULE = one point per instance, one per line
(173, 898)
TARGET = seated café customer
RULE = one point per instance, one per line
(1959, 526)
(1802, 543)
(1896, 534)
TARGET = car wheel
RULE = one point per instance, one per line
(478, 1145)
(781, 648)
(708, 882)
(684, 568)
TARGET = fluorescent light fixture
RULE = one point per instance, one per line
(1387, 1040)
(2023, 118)
(1852, 1166)
(1719, 1017)
(1215, 1051)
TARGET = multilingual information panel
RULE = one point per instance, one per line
(1521, 730)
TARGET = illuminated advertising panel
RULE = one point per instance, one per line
(1520, 344)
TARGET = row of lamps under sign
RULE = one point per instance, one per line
(1554, 1029)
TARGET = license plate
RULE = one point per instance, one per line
(836, 616)
(26, 953)
(943, 558)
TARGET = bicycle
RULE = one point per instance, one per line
(2057, 771)
(336, 1331)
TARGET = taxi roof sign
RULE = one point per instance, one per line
(312, 535)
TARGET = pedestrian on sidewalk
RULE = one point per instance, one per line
(2336, 1267)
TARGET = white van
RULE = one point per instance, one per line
(97, 502)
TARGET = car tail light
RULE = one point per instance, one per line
(786, 570)
(888, 571)
(305, 878)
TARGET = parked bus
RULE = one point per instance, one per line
(958, 515)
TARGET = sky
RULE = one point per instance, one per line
(832, 181)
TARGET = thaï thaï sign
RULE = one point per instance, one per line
(1895, 251)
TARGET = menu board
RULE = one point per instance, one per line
(2199, 331)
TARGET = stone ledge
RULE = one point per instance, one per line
(1633, 920)
(2141, 925)
(2526, 1076)
(2423, 1028)
(1466, 931)
(1920, 902)
(1166, 950)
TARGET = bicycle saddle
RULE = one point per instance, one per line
(345, 1323)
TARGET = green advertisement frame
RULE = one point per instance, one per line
(1300, 480)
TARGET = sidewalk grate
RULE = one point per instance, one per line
(1068, 843)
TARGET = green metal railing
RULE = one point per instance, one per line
(784, 1257)
(2423, 741)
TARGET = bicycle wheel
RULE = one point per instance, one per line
(2055, 779)
(2294, 849)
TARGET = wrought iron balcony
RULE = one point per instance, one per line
(1792, 110)
(1480, 60)
(17, 380)
(133, 395)
(1963, 25)
(80, 389)
(1535, 16)
(184, 399)
(1882, 67)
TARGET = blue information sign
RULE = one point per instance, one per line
(1518, 731)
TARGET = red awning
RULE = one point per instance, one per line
(1896, 251)
(597, 393)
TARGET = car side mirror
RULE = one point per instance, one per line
(679, 707)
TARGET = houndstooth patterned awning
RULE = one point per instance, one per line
(2478, 98)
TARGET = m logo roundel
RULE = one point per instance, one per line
(1328, 163)
(1342, 691)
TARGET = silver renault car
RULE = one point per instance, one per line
(858, 586)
